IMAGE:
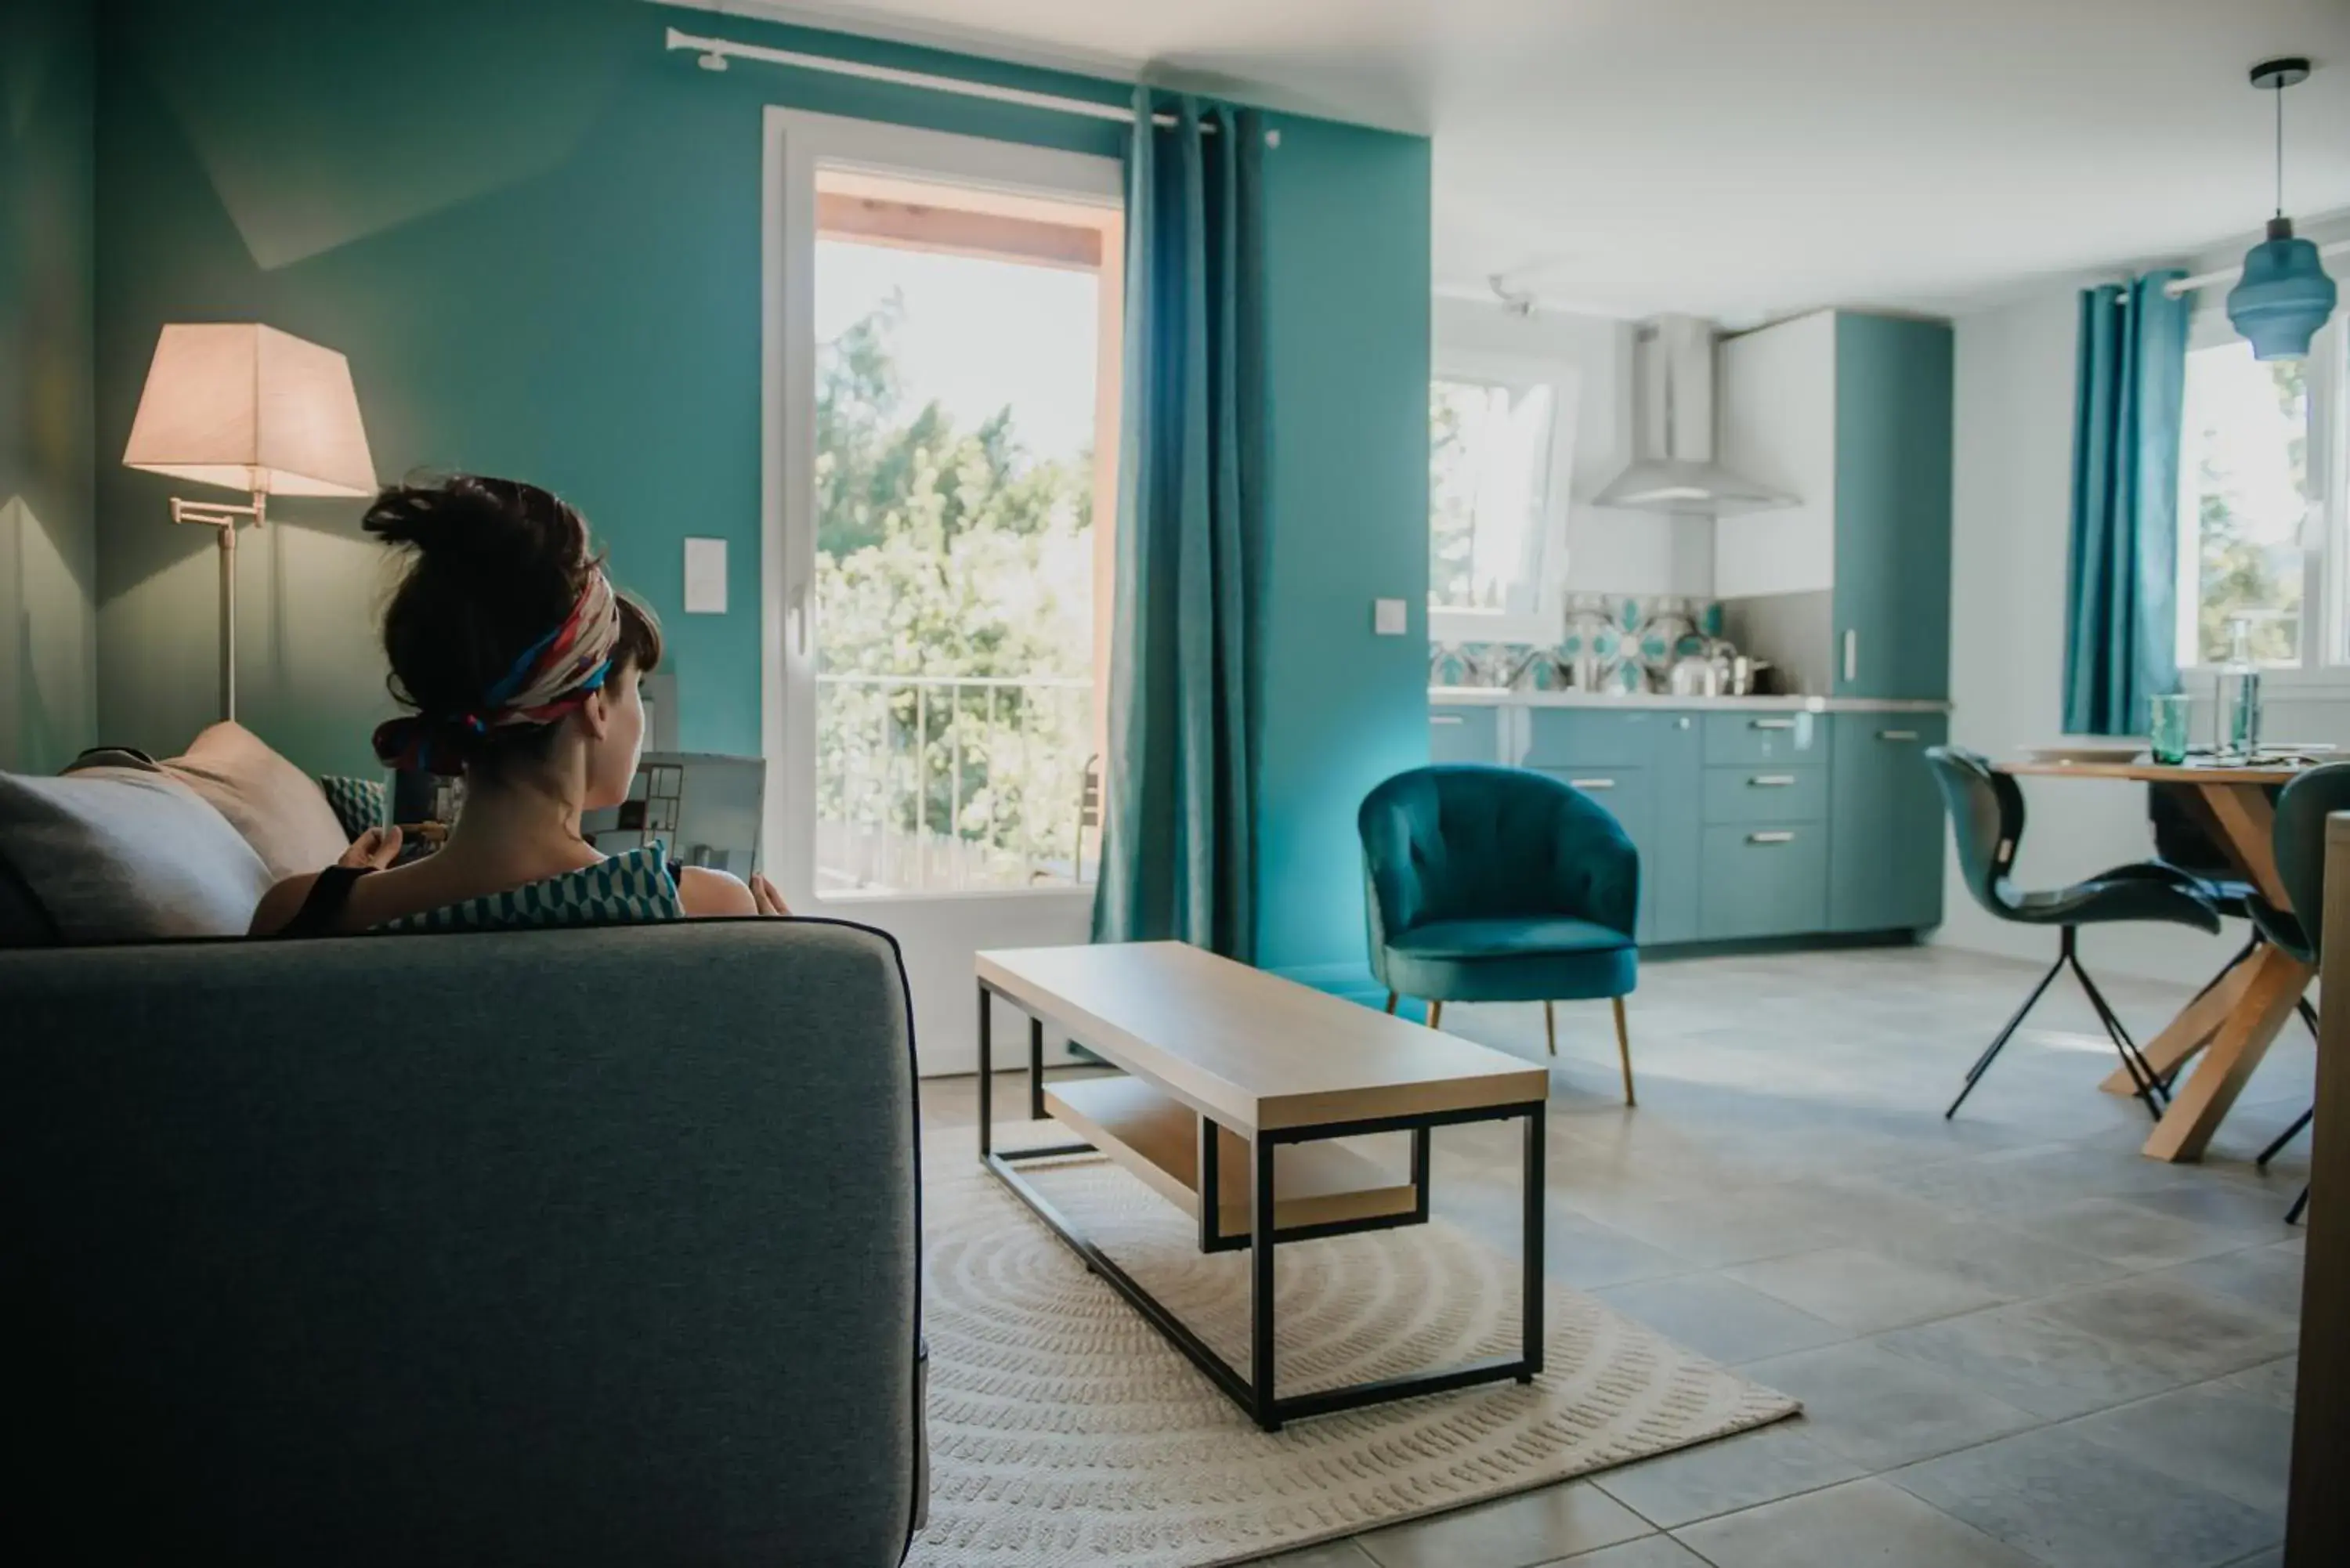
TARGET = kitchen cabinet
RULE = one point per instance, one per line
(1738, 739)
(1886, 834)
(1766, 793)
(1770, 879)
(1463, 734)
(1630, 799)
(1645, 766)
(1751, 822)
(1848, 589)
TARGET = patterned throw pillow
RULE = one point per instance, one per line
(358, 803)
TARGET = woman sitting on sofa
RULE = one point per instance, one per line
(521, 664)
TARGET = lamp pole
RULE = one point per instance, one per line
(227, 519)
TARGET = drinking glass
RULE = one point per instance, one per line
(2166, 727)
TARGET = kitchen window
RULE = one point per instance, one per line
(1500, 448)
(2261, 513)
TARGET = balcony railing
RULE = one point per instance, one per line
(955, 783)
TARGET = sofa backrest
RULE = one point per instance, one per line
(581, 1247)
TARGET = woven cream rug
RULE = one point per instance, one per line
(1066, 1432)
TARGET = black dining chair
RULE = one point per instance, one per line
(1987, 819)
(2299, 839)
(2182, 840)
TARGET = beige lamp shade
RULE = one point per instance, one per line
(247, 406)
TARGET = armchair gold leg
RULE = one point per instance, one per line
(1624, 1049)
(1435, 1015)
(1391, 1002)
(1550, 1026)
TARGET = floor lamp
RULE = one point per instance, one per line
(247, 407)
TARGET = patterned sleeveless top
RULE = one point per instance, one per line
(636, 885)
(634, 888)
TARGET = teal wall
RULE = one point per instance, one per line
(49, 688)
(534, 233)
(1346, 348)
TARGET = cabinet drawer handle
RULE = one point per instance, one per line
(1593, 783)
(1851, 655)
(1897, 734)
(1771, 781)
(1769, 723)
(1445, 718)
(1769, 839)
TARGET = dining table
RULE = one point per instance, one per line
(2231, 1023)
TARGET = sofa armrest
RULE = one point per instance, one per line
(587, 1246)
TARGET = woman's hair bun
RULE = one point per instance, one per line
(475, 523)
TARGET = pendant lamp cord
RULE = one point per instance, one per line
(2279, 90)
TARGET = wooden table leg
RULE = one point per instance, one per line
(2247, 825)
(2275, 982)
(2190, 1031)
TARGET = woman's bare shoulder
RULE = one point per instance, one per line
(704, 891)
(280, 905)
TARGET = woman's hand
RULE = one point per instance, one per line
(372, 850)
(764, 894)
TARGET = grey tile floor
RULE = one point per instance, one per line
(2017, 1340)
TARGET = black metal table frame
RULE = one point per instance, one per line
(1255, 1393)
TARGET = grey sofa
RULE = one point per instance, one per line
(579, 1247)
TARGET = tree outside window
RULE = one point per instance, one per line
(954, 553)
(2244, 473)
(1489, 479)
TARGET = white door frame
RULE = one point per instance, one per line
(934, 931)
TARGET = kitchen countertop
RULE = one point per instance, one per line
(1503, 697)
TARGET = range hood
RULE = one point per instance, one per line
(1672, 467)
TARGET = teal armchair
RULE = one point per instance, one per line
(1490, 884)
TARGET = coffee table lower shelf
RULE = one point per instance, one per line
(1312, 1188)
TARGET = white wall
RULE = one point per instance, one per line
(2009, 518)
(1610, 550)
(2011, 521)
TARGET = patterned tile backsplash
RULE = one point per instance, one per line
(1611, 642)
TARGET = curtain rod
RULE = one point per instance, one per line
(2177, 286)
(716, 52)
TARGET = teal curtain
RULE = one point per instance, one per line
(2121, 597)
(1177, 840)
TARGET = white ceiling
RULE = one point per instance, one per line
(1743, 158)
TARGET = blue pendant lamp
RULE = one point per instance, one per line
(2284, 296)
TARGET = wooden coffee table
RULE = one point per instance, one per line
(1228, 1067)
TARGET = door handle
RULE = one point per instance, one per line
(1769, 839)
(1851, 654)
(1444, 718)
(1769, 723)
(1771, 781)
(1593, 783)
(796, 617)
(1897, 734)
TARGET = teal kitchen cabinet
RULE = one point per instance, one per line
(1645, 766)
(1629, 797)
(1848, 589)
(1459, 732)
(1886, 833)
(1893, 507)
(1750, 822)
(1741, 739)
(1671, 876)
(1766, 793)
(1586, 738)
(1763, 880)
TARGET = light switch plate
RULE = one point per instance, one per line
(1390, 617)
(705, 577)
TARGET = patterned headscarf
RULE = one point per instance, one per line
(552, 678)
